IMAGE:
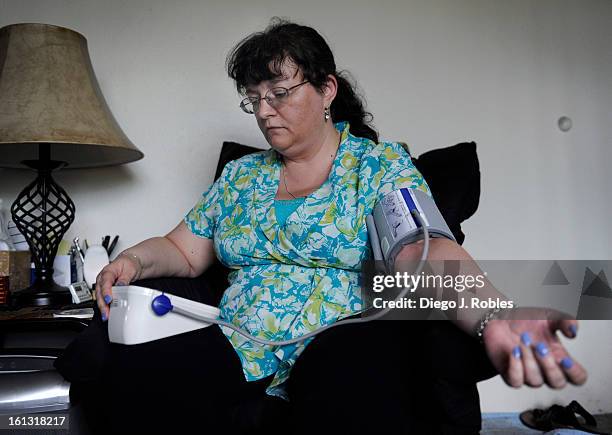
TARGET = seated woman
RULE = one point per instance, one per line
(290, 222)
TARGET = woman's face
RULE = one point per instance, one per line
(297, 122)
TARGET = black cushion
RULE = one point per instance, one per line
(453, 175)
(232, 151)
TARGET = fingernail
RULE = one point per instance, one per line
(516, 352)
(526, 338)
(104, 316)
(567, 363)
(573, 329)
(541, 349)
(108, 299)
(120, 283)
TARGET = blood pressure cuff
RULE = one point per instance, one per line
(392, 225)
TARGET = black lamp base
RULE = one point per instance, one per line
(43, 212)
(41, 294)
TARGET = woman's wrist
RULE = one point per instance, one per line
(496, 313)
(136, 260)
(484, 321)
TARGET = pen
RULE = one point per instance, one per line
(113, 244)
(105, 241)
(75, 242)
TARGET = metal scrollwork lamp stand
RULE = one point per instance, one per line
(52, 116)
(43, 212)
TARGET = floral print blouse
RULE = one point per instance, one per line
(290, 279)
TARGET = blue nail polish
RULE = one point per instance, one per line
(104, 318)
(567, 363)
(526, 338)
(516, 352)
(108, 299)
(541, 349)
(573, 329)
(120, 283)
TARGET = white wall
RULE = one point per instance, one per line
(434, 73)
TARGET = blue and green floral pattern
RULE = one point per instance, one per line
(287, 281)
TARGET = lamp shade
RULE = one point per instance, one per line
(49, 94)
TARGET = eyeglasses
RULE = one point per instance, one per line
(275, 97)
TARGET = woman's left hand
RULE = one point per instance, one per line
(527, 351)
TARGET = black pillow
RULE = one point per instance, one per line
(232, 151)
(452, 173)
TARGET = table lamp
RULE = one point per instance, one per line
(52, 116)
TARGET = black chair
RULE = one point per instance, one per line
(454, 178)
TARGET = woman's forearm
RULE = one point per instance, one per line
(158, 257)
(461, 264)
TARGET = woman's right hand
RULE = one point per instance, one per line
(121, 271)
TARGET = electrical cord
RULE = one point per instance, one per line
(162, 304)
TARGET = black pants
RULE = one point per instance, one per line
(381, 377)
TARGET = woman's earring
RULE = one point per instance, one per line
(326, 114)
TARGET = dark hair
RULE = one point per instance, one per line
(261, 55)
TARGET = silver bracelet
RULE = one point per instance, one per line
(484, 321)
